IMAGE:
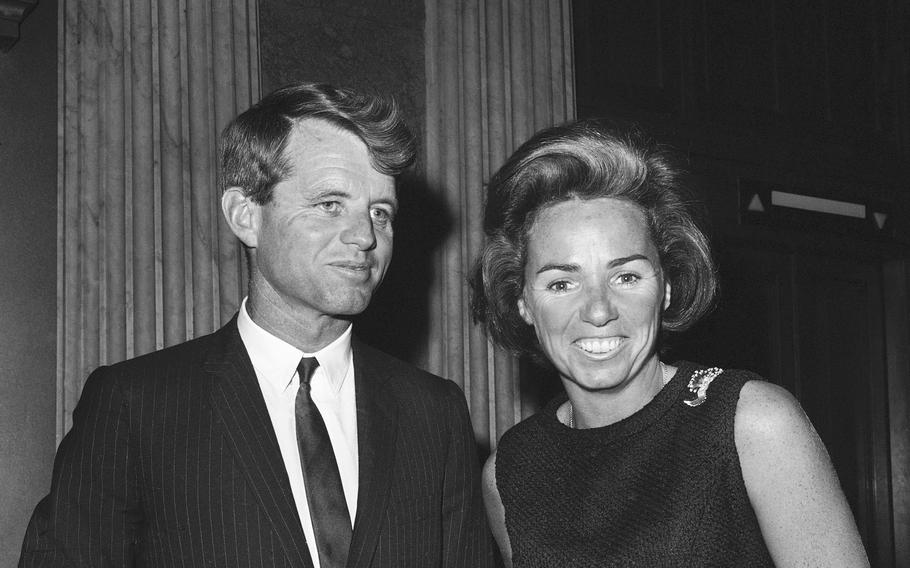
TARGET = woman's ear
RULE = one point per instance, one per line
(242, 215)
(667, 294)
(524, 312)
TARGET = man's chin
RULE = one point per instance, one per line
(351, 306)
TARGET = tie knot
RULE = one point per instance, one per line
(306, 368)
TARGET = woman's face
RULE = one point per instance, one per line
(594, 290)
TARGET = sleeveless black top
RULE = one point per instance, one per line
(662, 487)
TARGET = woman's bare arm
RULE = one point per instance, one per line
(804, 517)
(495, 511)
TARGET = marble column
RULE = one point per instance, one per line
(497, 71)
(144, 259)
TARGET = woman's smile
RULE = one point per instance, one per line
(598, 346)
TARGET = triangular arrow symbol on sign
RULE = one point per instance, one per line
(880, 219)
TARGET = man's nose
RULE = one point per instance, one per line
(359, 231)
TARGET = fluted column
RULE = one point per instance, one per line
(497, 71)
(144, 259)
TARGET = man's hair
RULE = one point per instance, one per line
(253, 145)
(585, 160)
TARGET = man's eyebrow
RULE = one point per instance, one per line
(343, 194)
(575, 268)
(324, 193)
(391, 202)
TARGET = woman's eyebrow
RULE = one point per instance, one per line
(559, 267)
(575, 268)
(626, 259)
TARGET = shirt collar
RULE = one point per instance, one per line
(277, 359)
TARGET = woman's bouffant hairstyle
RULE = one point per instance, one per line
(586, 160)
(253, 144)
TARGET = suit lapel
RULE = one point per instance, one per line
(238, 401)
(377, 427)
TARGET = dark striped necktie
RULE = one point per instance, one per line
(324, 492)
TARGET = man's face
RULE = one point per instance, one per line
(324, 241)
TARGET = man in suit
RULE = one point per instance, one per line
(280, 439)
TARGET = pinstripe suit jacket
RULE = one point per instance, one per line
(172, 461)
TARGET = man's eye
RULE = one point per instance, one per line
(558, 286)
(329, 206)
(382, 216)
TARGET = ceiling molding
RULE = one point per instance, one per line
(12, 13)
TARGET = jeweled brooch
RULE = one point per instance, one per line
(698, 384)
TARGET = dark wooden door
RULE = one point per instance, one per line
(841, 383)
(812, 323)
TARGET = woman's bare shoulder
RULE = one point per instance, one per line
(804, 517)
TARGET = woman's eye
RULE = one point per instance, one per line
(627, 278)
(558, 286)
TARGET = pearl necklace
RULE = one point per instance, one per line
(665, 371)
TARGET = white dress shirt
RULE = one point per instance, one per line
(332, 388)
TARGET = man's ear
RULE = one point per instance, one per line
(242, 215)
(524, 312)
(667, 294)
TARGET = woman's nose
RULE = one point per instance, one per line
(598, 308)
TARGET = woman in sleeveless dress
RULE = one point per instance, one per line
(592, 253)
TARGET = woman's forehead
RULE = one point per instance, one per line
(604, 228)
(572, 213)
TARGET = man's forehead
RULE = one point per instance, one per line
(312, 130)
(334, 161)
(314, 141)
